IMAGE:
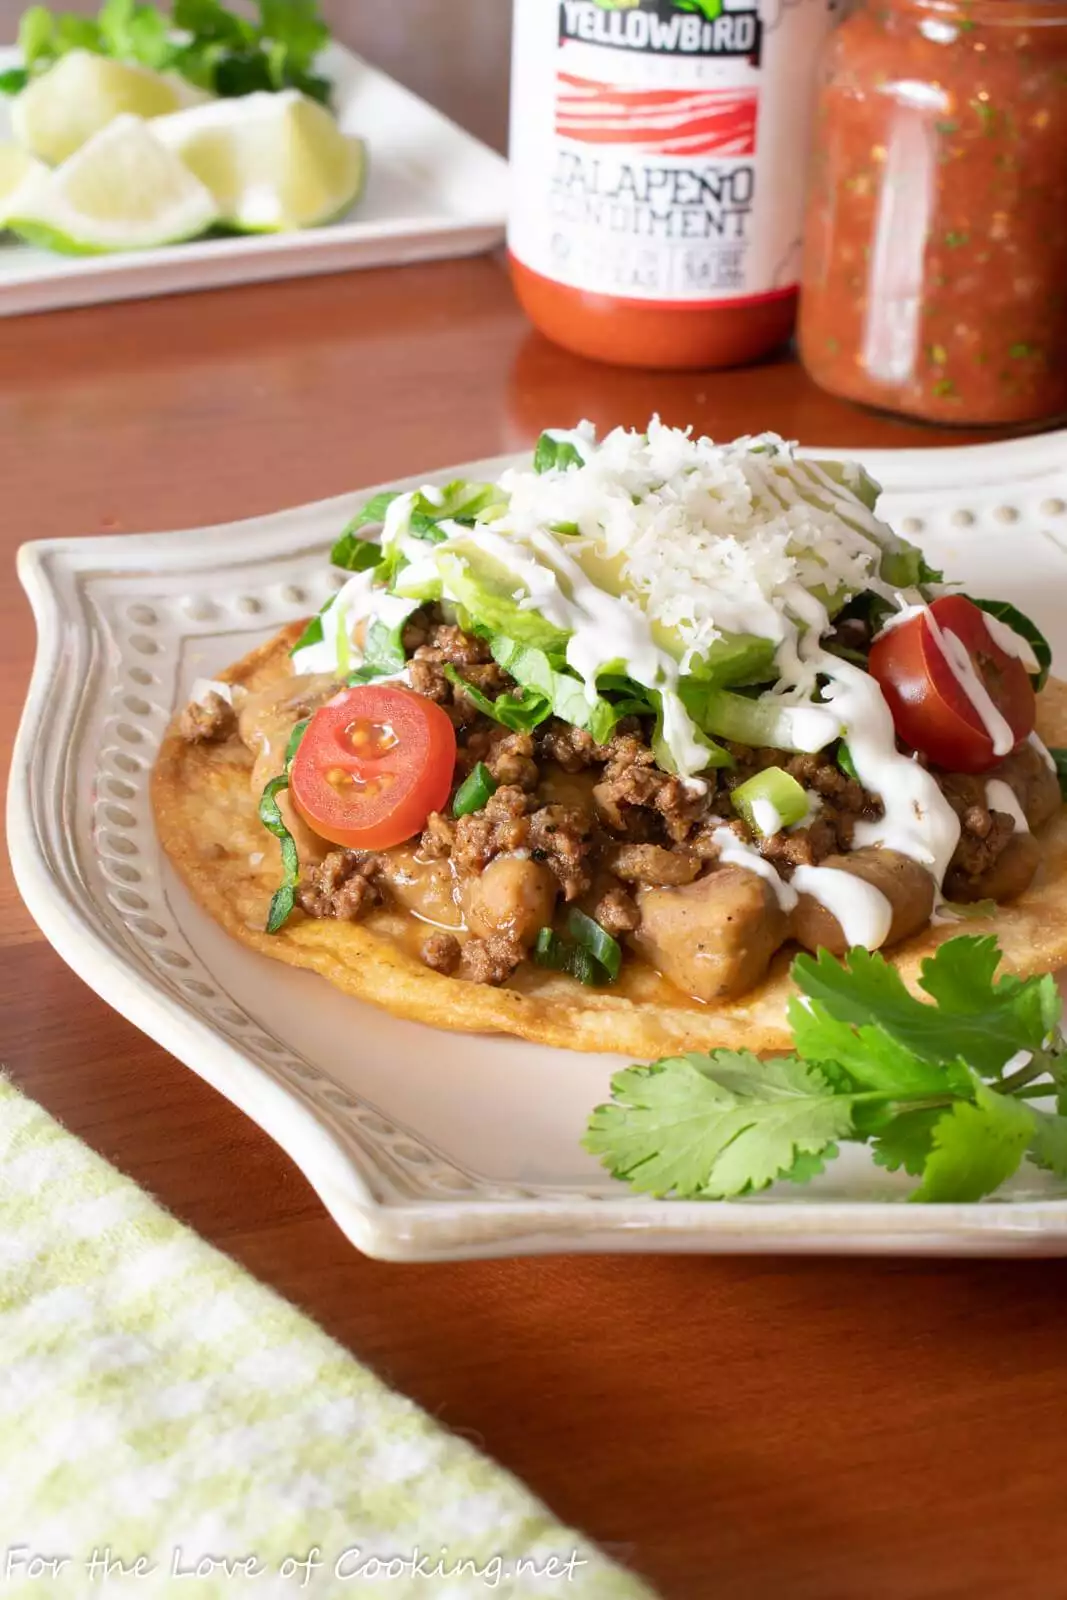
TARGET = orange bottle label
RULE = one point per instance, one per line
(658, 147)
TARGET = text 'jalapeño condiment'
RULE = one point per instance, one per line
(657, 151)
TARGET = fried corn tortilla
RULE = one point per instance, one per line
(206, 814)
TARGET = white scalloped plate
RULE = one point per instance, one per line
(432, 190)
(422, 1144)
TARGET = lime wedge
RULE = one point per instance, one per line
(56, 113)
(124, 190)
(272, 161)
(17, 167)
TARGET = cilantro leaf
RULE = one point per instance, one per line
(556, 454)
(906, 1142)
(727, 1126)
(809, 1164)
(975, 1148)
(1048, 1147)
(208, 21)
(133, 32)
(981, 1022)
(873, 1058)
(297, 29)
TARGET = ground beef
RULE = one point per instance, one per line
(826, 779)
(617, 912)
(491, 960)
(209, 722)
(460, 649)
(570, 748)
(826, 836)
(426, 672)
(654, 864)
(417, 630)
(438, 837)
(632, 782)
(561, 836)
(442, 952)
(342, 885)
(500, 828)
(981, 841)
(510, 758)
(983, 833)
(428, 679)
(433, 645)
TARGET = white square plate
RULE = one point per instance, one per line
(432, 190)
(423, 1144)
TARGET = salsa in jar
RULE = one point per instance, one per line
(934, 280)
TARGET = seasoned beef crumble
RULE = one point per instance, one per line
(342, 886)
(208, 721)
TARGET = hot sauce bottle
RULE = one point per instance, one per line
(657, 153)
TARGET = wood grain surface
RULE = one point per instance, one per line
(735, 1429)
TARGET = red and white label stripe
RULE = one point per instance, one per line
(661, 121)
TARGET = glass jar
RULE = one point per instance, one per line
(935, 263)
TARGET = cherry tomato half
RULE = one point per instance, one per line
(931, 710)
(373, 763)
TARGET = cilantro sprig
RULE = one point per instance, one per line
(213, 47)
(939, 1088)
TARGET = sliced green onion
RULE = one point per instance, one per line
(560, 955)
(770, 801)
(293, 743)
(846, 763)
(283, 901)
(591, 936)
(472, 794)
(765, 720)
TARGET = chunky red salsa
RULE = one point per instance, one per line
(935, 270)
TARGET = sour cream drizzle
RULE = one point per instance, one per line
(1042, 752)
(734, 852)
(1000, 796)
(1012, 643)
(863, 912)
(962, 667)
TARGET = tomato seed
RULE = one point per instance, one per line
(371, 739)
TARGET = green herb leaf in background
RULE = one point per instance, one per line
(214, 48)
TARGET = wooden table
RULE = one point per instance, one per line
(736, 1429)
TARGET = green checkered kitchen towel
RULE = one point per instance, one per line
(161, 1414)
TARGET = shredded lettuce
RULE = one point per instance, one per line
(565, 695)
